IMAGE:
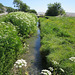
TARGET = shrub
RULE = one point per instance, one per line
(10, 46)
(24, 22)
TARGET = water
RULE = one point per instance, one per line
(33, 57)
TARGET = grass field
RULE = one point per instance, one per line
(58, 44)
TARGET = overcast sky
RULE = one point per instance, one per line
(41, 5)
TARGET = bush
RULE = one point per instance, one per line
(10, 46)
(24, 22)
(13, 28)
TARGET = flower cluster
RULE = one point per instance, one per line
(20, 63)
(45, 72)
(25, 23)
(55, 62)
(51, 68)
(72, 59)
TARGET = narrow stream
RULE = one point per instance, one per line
(33, 57)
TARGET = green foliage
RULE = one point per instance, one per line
(17, 2)
(1, 8)
(10, 9)
(24, 22)
(54, 9)
(24, 7)
(13, 28)
(32, 11)
(57, 43)
(10, 46)
(1, 5)
(21, 6)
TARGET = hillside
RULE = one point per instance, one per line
(1, 8)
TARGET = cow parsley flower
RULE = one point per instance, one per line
(55, 62)
(46, 72)
(51, 68)
(2, 22)
(20, 63)
(72, 59)
(0, 36)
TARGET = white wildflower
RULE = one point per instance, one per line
(51, 68)
(20, 66)
(27, 45)
(16, 66)
(43, 73)
(20, 63)
(0, 36)
(2, 22)
(61, 69)
(46, 72)
(72, 59)
(55, 62)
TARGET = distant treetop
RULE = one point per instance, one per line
(54, 9)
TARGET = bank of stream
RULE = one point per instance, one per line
(33, 58)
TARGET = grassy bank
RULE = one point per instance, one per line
(58, 44)
(14, 28)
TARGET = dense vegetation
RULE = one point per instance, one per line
(58, 44)
(10, 45)
(54, 10)
(1, 8)
(23, 6)
(24, 22)
(14, 27)
(10, 9)
(20, 6)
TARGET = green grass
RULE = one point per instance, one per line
(58, 43)
(10, 46)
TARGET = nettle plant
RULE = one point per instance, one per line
(25, 22)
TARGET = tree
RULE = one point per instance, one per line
(24, 7)
(32, 11)
(10, 9)
(1, 8)
(17, 3)
(54, 9)
(21, 6)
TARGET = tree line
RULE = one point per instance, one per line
(53, 9)
(20, 6)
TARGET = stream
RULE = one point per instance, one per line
(33, 57)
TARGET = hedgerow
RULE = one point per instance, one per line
(10, 46)
(24, 22)
(57, 44)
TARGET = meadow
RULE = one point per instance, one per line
(15, 27)
(58, 44)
